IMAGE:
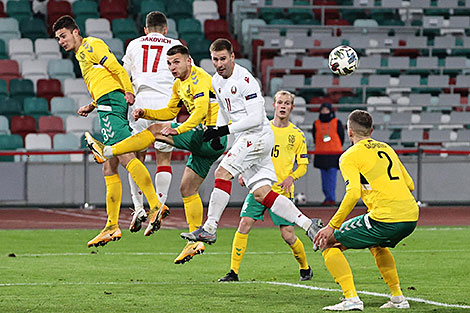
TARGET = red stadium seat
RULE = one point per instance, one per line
(216, 29)
(49, 88)
(112, 9)
(56, 9)
(51, 125)
(2, 10)
(22, 125)
(222, 7)
(9, 70)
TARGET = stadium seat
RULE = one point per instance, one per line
(85, 9)
(34, 70)
(75, 88)
(116, 46)
(20, 49)
(19, 10)
(56, 9)
(22, 125)
(214, 29)
(246, 63)
(21, 89)
(4, 125)
(10, 142)
(2, 10)
(51, 125)
(49, 88)
(189, 26)
(60, 69)
(113, 9)
(206, 64)
(3, 88)
(63, 107)
(63, 142)
(179, 9)
(9, 29)
(3, 50)
(205, 10)
(124, 29)
(38, 142)
(33, 28)
(199, 49)
(10, 107)
(98, 27)
(172, 29)
(36, 107)
(47, 48)
(148, 6)
(78, 125)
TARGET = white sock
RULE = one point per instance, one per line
(162, 184)
(108, 152)
(354, 299)
(136, 195)
(397, 299)
(286, 209)
(217, 203)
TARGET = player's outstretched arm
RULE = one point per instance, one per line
(86, 109)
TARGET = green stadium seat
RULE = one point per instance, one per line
(9, 29)
(36, 107)
(189, 26)
(281, 21)
(85, 9)
(3, 88)
(297, 14)
(65, 142)
(269, 14)
(80, 20)
(10, 107)
(63, 107)
(124, 29)
(21, 89)
(199, 49)
(190, 37)
(19, 10)
(3, 50)
(147, 6)
(33, 28)
(10, 142)
(179, 9)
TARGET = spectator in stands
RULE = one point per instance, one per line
(328, 135)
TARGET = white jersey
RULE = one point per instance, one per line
(146, 63)
(241, 101)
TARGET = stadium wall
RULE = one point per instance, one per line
(62, 184)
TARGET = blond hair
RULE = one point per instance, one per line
(284, 93)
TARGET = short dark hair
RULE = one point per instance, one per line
(178, 49)
(221, 44)
(361, 122)
(156, 21)
(65, 21)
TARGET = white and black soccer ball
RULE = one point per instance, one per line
(343, 60)
(300, 199)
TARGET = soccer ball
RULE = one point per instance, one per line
(343, 60)
(300, 198)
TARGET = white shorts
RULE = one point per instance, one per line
(250, 156)
(154, 101)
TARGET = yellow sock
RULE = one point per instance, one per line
(142, 178)
(339, 268)
(386, 264)
(113, 198)
(298, 251)
(193, 210)
(239, 244)
(138, 142)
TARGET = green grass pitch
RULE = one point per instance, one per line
(54, 271)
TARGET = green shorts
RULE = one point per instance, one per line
(255, 210)
(363, 232)
(202, 154)
(112, 111)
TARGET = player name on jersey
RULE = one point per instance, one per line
(156, 39)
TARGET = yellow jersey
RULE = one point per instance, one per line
(198, 97)
(101, 71)
(289, 147)
(372, 171)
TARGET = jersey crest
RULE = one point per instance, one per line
(247, 80)
(233, 90)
